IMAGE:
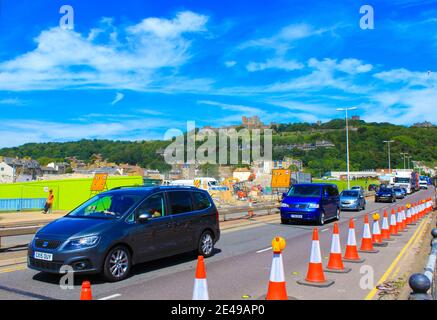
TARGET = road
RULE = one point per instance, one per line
(241, 266)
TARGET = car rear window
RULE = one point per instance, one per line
(201, 201)
(180, 202)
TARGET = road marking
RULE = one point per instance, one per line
(264, 250)
(111, 297)
(17, 268)
(394, 263)
(325, 230)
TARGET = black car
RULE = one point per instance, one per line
(385, 195)
(372, 187)
(119, 228)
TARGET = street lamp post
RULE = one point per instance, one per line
(409, 157)
(405, 157)
(347, 144)
(389, 162)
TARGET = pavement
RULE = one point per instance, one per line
(240, 266)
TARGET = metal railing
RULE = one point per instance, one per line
(424, 285)
(21, 204)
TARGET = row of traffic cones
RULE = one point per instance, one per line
(277, 290)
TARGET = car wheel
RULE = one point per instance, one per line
(117, 264)
(284, 221)
(322, 219)
(206, 244)
(337, 215)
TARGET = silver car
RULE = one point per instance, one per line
(352, 200)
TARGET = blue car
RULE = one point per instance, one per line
(312, 202)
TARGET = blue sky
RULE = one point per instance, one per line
(134, 69)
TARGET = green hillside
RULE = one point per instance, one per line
(367, 150)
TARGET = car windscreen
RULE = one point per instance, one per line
(106, 206)
(385, 190)
(349, 194)
(304, 191)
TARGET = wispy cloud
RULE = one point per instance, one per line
(11, 101)
(126, 58)
(118, 97)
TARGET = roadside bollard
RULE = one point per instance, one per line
(420, 285)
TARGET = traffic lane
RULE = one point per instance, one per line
(298, 244)
(232, 243)
(248, 274)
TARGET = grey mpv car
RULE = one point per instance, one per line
(124, 226)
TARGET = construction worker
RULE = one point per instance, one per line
(49, 202)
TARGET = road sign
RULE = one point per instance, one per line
(99, 182)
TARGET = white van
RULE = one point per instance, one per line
(204, 183)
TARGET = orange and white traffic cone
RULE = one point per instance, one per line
(277, 287)
(376, 232)
(408, 214)
(385, 229)
(413, 213)
(85, 293)
(315, 276)
(335, 263)
(250, 212)
(399, 220)
(416, 212)
(393, 224)
(351, 254)
(404, 219)
(200, 291)
(366, 239)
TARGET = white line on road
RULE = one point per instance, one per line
(325, 229)
(264, 250)
(111, 297)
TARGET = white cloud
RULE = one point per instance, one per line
(246, 110)
(276, 63)
(109, 58)
(411, 78)
(285, 37)
(11, 101)
(17, 132)
(118, 97)
(230, 64)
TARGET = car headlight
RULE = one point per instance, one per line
(285, 205)
(83, 242)
(313, 205)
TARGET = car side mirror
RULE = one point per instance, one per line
(144, 217)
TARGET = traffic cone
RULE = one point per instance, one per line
(393, 224)
(277, 287)
(404, 219)
(385, 230)
(366, 239)
(85, 293)
(315, 276)
(200, 291)
(413, 213)
(335, 263)
(409, 219)
(399, 220)
(376, 233)
(416, 212)
(351, 254)
(250, 212)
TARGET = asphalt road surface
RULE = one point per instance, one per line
(240, 266)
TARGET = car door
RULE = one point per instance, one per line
(327, 203)
(333, 201)
(181, 210)
(152, 239)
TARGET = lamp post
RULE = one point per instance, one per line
(389, 162)
(409, 158)
(347, 144)
(405, 156)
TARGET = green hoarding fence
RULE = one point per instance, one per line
(69, 193)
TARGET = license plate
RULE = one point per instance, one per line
(43, 256)
(295, 215)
